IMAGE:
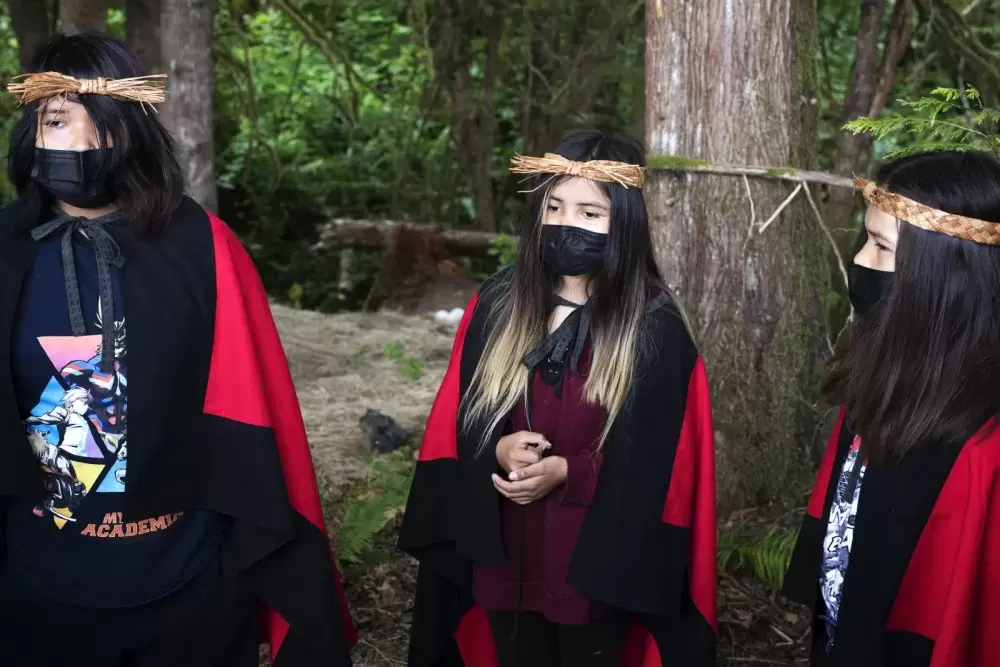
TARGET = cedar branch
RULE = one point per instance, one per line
(682, 164)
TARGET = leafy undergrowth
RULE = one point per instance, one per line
(756, 625)
(370, 505)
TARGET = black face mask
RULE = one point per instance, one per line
(75, 177)
(571, 251)
(867, 287)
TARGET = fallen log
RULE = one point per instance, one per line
(347, 233)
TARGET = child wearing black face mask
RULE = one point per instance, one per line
(899, 552)
(158, 501)
(563, 506)
(869, 286)
(78, 178)
(572, 251)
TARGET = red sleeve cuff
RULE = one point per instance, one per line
(582, 471)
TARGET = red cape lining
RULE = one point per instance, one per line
(249, 382)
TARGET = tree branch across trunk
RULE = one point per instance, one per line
(679, 164)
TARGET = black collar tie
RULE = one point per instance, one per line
(108, 254)
(572, 333)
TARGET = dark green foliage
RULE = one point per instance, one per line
(947, 119)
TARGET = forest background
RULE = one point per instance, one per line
(360, 149)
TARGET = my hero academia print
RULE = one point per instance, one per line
(79, 428)
(75, 416)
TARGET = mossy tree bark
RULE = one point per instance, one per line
(731, 83)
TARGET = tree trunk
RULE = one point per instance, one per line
(734, 86)
(142, 32)
(83, 15)
(30, 22)
(186, 31)
(853, 149)
(901, 29)
(861, 88)
(473, 122)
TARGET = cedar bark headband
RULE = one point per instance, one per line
(607, 171)
(146, 90)
(925, 217)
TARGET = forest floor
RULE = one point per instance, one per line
(347, 363)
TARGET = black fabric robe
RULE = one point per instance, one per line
(648, 545)
(923, 581)
(214, 422)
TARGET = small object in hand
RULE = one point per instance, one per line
(385, 435)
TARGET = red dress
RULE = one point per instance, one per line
(535, 579)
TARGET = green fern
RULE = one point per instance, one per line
(947, 119)
(373, 504)
(768, 554)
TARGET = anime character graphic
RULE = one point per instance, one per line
(63, 489)
(108, 404)
(70, 419)
(79, 428)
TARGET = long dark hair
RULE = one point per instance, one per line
(619, 293)
(925, 368)
(144, 172)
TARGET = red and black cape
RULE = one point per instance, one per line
(648, 544)
(214, 422)
(923, 582)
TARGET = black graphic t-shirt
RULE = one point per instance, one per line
(74, 546)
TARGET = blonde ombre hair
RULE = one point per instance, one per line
(619, 296)
(501, 378)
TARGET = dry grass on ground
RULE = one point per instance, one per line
(344, 364)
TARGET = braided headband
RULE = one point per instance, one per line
(146, 90)
(607, 171)
(925, 217)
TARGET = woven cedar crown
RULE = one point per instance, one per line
(607, 171)
(925, 217)
(146, 90)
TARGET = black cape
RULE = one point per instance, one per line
(648, 544)
(923, 581)
(214, 422)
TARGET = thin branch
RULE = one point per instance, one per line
(382, 655)
(784, 205)
(826, 231)
(831, 344)
(972, 5)
(753, 210)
